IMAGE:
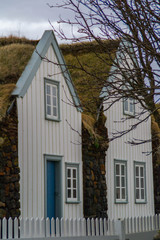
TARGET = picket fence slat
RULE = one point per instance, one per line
(81, 227)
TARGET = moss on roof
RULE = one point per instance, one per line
(89, 65)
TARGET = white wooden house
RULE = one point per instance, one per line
(49, 153)
(50, 149)
(129, 171)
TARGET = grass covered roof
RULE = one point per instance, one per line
(89, 64)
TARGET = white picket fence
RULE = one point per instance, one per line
(44, 228)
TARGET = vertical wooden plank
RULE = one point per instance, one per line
(30, 152)
(4, 228)
(88, 227)
(92, 227)
(57, 228)
(71, 227)
(16, 228)
(79, 231)
(47, 227)
(42, 227)
(101, 227)
(32, 227)
(34, 143)
(21, 227)
(37, 228)
(26, 228)
(24, 181)
(105, 224)
(97, 226)
(74, 227)
(84, 227)
(10, 228)
(52, 227)
(62, 227)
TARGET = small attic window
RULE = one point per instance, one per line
(52, 106)
(129, 106)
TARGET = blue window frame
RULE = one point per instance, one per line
(120, 181)
(52, 103)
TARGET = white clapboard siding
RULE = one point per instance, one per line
(119, 149)
(38, 136)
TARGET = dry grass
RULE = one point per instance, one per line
(5, 94)
(13, 59)
(89, 68)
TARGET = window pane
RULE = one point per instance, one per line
(74, 173)
(55, 111)
(142, 193)
(48, 89)
(54, 91)
(117, 181)
(137, 171)
(68, 172)
(48, 100)
(123, 193)
(74, 193)
(131, 105)
(137, 182)
(141, 171)
(117, 193)
(49, 110)
(126, 105)
(123, 181)
(122, 170)
(54, 101)
(117, 169)
(69, 193)
(74, 183)
(137, 193)
(69, 183)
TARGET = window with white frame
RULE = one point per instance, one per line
(52, 99)
(140, 186)
(120, 181)
(129, 106)
(72, 182)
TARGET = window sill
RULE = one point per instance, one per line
(129, 114)
(73, 202)
(121, 202)
(52, 119)
(141, 202)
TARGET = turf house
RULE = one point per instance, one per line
(55, 159)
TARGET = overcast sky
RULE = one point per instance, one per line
(29, 18)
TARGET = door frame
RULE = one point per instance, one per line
(57, 159)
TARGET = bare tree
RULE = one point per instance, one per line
(135, 69)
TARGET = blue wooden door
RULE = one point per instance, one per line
(50, 189)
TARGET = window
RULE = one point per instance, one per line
(129, 106)
(72, 182)
(140, 185)
(120, 181)
(52, 99)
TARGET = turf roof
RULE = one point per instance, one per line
(88, 63)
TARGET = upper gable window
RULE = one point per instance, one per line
(52, 111)
(129, 106)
